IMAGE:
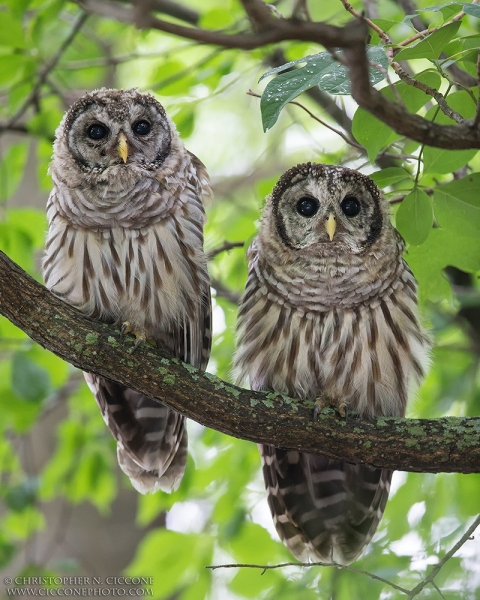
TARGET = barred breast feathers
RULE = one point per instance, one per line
(295, 337)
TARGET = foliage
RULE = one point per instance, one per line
(54, 449)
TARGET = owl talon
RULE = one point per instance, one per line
(140, 335)
(323, 401)
(126, 328)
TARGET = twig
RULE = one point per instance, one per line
(349, 8)
(425, 32)
(400, 71)
(223, 292)
(224, 248)
(337, 131)
(308, 565)
(434, 572)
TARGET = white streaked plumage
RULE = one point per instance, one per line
(125, 244)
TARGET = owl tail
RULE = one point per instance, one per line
(324, 510)
(151, 438)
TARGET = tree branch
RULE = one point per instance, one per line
(350, 38)
(435, 445)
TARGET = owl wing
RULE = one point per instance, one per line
(151, 437)
(322, 508)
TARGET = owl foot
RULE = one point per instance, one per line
(140, 335)
(323, 401)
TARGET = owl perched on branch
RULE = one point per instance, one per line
(329, 314)
(125, 245)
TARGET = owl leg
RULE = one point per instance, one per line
(140, 334)
(323, 401)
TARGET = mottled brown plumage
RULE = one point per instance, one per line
(125, 245)
(329, 314)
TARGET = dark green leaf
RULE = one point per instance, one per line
(414, 218)
(432, 46)
(320, 69)
(447, 10)
(29, 381)
(22, 495)
(472, 9)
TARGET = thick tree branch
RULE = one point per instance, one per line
(434, 445)
(350, 38)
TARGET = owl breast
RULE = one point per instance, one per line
(149, 277)
(370, 356)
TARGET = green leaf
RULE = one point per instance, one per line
(389, 176)
(12, 166)
(11, 31)
(179, 557)
(447, 10)
(375, 135)
(457, 206)
(29, 381)
(431, 47)
(320, 69)
(414, 218)
(441, 249)
(472, 9)
(440, 160)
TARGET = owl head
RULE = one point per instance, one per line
(108, 133)
(327, 210)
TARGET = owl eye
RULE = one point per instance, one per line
(307, 207)
(350, 206)
(97, 131)
(142, 127)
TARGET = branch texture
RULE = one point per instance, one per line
(434, 445)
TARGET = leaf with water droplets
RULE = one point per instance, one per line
(319, 69)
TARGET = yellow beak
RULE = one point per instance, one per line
(122, 147)
(331, 226)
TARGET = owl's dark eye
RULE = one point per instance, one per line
(350, 206)
(141, 127)
(307, 207)
(97, 131)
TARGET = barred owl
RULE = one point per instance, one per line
(329, 314)
(125, 245)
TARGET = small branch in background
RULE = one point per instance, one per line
(44, 73)
(409, 593)
(221, 291)
(458, 74)
(224, 248)
(172, 9)
(400, 71)
(436, 569)
(265, 568)
(337, 131)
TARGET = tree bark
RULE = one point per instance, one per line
(448, 444)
